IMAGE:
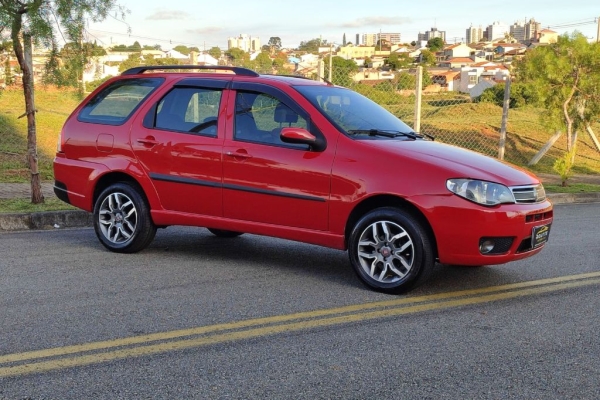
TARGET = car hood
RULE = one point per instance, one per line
(458, 162)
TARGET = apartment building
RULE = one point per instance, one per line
(431, 34)
(497, 30)
(371, 39)
(244, 42)
(473, 34)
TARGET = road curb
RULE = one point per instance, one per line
(45, 220)
(565, 198)
(82, 219)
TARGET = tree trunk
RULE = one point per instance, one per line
(24, 56)
(568, 120)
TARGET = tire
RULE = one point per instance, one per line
(391, 251)
(222, 233)
(122, 219)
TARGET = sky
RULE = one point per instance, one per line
(205, 24)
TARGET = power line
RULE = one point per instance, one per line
(574, 24)
(155, 40)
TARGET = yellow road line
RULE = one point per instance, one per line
(133, 340)
(365, 315)
(128, 341)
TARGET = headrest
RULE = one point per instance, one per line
(285, 114)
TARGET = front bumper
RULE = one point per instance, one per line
(459, 227)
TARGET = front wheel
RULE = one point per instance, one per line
(122, 219)
(391, 251)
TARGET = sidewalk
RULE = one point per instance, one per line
(79, 218)
(23, 190)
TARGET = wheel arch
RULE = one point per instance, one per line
(386, 200)
(114, 177)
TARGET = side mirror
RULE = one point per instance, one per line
(295, 135)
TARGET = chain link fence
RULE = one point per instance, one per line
(449, 116)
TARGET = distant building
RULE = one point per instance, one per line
(497, 30)
(371, 39)
(391, 38)
(525, 32)
(517, 31)
(433, 33)
(244, 42)
(547, 36)
(474, 35)
(531, 30)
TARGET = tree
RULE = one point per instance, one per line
(279, 62)
(237, 55)
(136, 46)
(37, 21)
(341, 70)
(398, 61)
(435, 44)
(427, 58)
(182, 49)
(566, 79)
(274, 44)
(312, 46)
(214, 52)
(264, 63)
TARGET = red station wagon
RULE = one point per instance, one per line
(238, 152)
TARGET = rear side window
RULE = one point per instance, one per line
(190, 109)
(117, 102)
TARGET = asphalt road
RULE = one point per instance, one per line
(195, 316)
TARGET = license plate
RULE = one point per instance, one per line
(540, 235)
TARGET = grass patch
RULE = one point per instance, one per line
(25, 205)
(53, 107)
(572, 188)
(451, 118)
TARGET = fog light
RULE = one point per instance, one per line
(486, 246)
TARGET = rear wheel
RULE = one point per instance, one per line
(222, 233)
(390, 250)
(122, 219)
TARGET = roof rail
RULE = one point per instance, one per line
(236, 70)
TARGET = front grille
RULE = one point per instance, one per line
(539, 216)
(529, 194)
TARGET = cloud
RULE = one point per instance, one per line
(375, 21)
(167, 15)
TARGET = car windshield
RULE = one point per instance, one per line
(353, 113)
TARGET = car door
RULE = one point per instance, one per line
(264, 179)
(179, 143)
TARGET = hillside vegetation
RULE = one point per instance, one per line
(472, 125)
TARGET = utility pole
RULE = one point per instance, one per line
(330, 60)
(598, 33)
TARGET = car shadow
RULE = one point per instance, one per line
(304, 259)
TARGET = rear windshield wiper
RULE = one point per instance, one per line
(388, 133)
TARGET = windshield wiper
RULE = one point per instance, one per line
(388, 133)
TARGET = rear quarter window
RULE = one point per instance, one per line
(118, 101)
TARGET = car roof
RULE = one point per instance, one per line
(209, 71)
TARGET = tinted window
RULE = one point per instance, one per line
(193, 110)
(259, 117)
(117, 102)
(350, 110)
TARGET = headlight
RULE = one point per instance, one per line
(481, 192)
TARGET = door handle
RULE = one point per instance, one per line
(238, 154)
(148, 141)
